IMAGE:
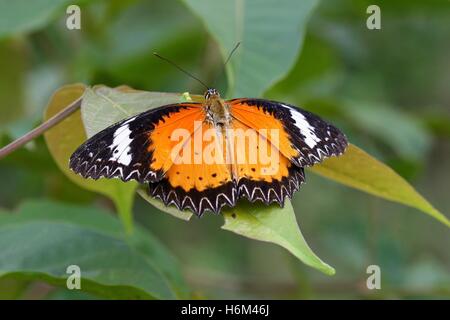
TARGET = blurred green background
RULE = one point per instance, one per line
(387, 89)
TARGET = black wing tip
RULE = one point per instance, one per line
(335, 146)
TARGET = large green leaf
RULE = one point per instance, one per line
(272, 224)
(65, 137)
(359, 170)
(103, 106)
(48, 237)
(13, 74)
(271, 33)
(24, 15)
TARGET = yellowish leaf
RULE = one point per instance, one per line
(359, 170)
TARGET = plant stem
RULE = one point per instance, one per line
(57, 118)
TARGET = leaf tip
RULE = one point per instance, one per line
(328, 270)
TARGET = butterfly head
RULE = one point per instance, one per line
(212, 94)
(216, 110)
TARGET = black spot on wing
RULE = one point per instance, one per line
(103, 156)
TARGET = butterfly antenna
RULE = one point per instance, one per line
(226, 61)
(231, 53)
(181, 69)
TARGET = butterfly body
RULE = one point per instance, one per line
(217, 110)
(204, 156)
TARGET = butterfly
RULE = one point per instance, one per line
(204, 156)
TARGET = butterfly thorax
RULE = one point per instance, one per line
(217, 111)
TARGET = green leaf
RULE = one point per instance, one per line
(272, 224)
(48, 237)
(359, 170)
(63, 139)
(12, 289)
(271, 34)
(24, 15)
(103, 106)
(11, 90)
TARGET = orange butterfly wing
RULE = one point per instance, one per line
(262, 171)
(134, 148)
(199, 177)
(304, 138)
(245, 163)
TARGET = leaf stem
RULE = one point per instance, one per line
(57, 118)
